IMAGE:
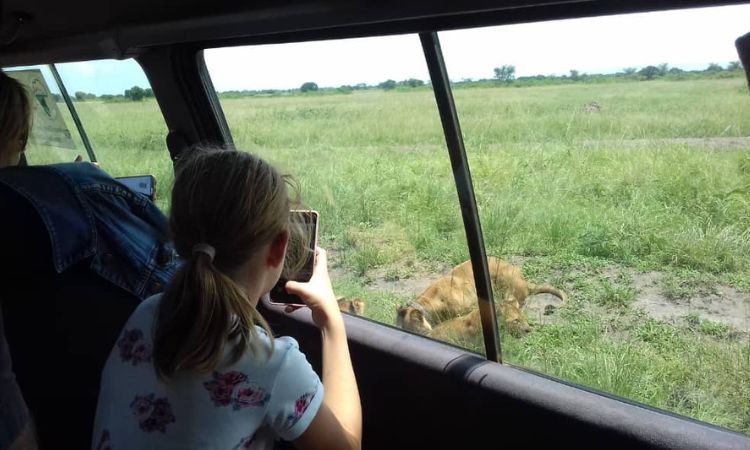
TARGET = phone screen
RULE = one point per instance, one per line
(142, 184)
(310, 226)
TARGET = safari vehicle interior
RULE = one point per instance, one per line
(416, 392)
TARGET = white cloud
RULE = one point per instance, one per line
(85, 69)
(328, 63)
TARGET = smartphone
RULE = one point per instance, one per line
(142, 184)
(309, 221)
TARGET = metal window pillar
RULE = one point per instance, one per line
(73, 113)
(460, 164)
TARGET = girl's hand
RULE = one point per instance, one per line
(318, 293)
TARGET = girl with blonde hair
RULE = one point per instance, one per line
(197, 366)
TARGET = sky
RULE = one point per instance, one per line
(689, 39)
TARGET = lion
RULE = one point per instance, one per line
(470, 325)
(454, 296)
(355, 306)
(459, 328)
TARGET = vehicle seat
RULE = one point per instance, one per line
(60, 327)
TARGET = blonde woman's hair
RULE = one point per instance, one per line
(15, 112)
(236, 203)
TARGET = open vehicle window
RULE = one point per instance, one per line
(117, 110)
(610, 158)
(53, 136)
(357, 125)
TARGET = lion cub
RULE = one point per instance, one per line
(355, 306)
(455, 296)
(459, 328)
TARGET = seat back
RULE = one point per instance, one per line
(60, 327)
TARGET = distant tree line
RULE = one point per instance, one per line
(135, 94)
(311, 87)
(506, 76)
(393, 84)
(503, 75)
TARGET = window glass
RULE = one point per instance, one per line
(355, 122)
(118, 112)
(611, 161)
(53, 137)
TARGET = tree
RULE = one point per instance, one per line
(308, 87)
(413, 82)
(649, 72)
(734, 65)
(575, 75)
(82, 96)
(506, 73)
(136, 93)
(629, 71)
(663, 68)
(713, 67)
(387, 85)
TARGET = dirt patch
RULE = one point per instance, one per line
(725, 305)
(721, 303)
(385, 279)
(406, 287)
(542, 308)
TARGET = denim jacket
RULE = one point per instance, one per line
(88, 214)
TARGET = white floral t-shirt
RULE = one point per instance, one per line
(245, 405)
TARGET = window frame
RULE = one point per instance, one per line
(440, 84)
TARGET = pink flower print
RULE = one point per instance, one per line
(300, 406)
(149, 425)
(133, 347)
(126, 349)
(232, 378)
(162, 413)
(141, 406)
(153, 414)
(250, 396)
(104, 442)
(221, 388)
(219, 392)
(244, 443)
(140, 353)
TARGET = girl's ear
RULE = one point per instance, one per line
(277, 250)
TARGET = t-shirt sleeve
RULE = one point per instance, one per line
(297, 393)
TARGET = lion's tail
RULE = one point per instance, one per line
(547, 289)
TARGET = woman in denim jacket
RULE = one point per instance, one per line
(80, 251)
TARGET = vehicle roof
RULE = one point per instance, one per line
(43, 31)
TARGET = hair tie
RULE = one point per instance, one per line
(205, 248)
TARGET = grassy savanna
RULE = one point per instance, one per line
(584, 199)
